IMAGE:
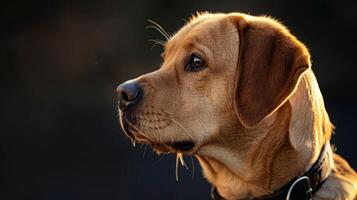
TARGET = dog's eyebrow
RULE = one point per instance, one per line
(196, 44)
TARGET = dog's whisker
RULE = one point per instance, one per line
(146, 145)
(182, 160)
(136, 129)
(160, 29)
(193, 168)
(176, 169)
(133, 142)
(156, 43)
(121, 123)
(179, 158)
(171, 141)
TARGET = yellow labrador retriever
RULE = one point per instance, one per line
(238, 92)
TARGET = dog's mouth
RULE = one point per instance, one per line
(127, 121)
(185, 147)
(182, 146)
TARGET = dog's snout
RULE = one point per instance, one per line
(129, 93)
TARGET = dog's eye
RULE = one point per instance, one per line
(195, 64)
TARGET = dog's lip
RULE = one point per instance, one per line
(174, 146)
(178, 146)
(182, 146)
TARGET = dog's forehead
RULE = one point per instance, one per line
(201, 30)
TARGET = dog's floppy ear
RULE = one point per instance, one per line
(270, 63)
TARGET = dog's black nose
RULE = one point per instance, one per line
(129, 93)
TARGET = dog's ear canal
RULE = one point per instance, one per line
(270, 64)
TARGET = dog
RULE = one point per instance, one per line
(237, 92)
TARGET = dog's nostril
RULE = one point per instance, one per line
(129, 93)
(124, 96)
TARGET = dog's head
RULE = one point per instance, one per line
(222, 76)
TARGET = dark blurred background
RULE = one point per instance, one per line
(60, 64)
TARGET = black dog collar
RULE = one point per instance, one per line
(301, 187)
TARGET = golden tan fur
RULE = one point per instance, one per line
(256, 113)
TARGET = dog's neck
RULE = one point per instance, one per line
(286, 149)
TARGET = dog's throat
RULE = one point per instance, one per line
(301, 187)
